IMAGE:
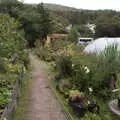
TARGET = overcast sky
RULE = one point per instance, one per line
(85, 4)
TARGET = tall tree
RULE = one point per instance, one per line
(106, 27)
(45, 22)
(79, 31)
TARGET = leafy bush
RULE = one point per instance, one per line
(76, 93)
(64, 66)
(11, 38)
(91, 116)
(44, 53)
(101, 68)
(5, 96)
(79, 31)
(6, 85)
(80, 77)
(107, 63)
(64, 86)
(12, 54)
(2, 65)
(24, 58)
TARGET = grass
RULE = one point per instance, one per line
(23, 102)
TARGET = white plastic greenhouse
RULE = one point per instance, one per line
(100, 44)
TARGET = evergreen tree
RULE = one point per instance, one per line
(45, 22)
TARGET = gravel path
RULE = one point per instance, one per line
(42, 103)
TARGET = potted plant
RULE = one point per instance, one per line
(78, 102)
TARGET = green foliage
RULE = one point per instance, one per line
(12, 39)
(91, 116)
(91, 70)
(45, 25)
(2, 65)
(58, 23)
(50, 52)
(12, 45)
(106, 27)
(107, 63)
(45, 53)
(118, 86)
(59, 44)
(107, 30)
(101, 67)
(6, 86)
(80, 16)
(103, 116)
(25, 59)
(5, 96)
(22, 107)
(84, 31)
(74, 93)
(64, 65)
(35, 20)
(79, 31)
(73, 35)
(80, 77)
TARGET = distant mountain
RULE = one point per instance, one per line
(63, 16)
(59, 7)
(81, 16)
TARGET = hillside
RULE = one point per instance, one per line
(57, 7)
(81, 16)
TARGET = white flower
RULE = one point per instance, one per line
(115, 90)
(73, 65)
(88, 102)
(90, 89)
(87, 70)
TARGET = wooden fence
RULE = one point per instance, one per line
(11, 107)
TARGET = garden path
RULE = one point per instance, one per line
(42, 103)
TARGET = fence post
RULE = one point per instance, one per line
(11, 107)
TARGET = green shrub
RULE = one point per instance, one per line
(101, 67)
(45, 53)
(25, 59)
(64, 65)
(80, 79)
(11, 38)
(6, 86)
(12, 45)
(106, 64)
(59, 44)
(2, 65)
(91, 116)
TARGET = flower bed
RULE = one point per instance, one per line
(94, 75)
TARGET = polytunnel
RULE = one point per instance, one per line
(100, 44)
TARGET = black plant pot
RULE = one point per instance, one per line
(79, 109)
(119, 102)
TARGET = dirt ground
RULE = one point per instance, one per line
(42, 103)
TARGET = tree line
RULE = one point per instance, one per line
(35, 20)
